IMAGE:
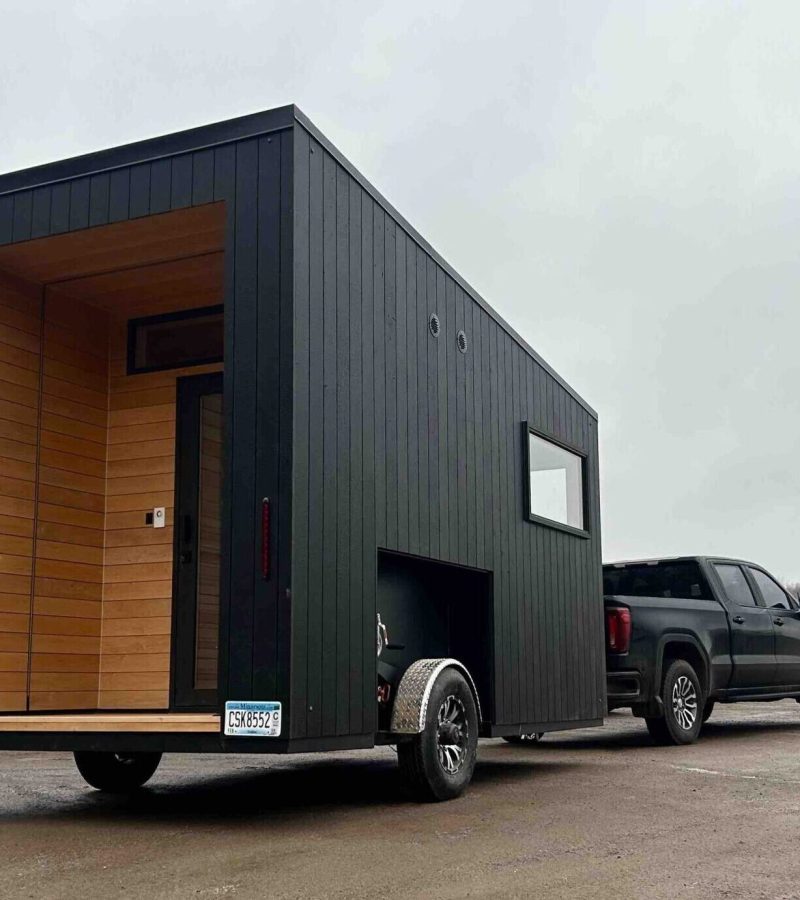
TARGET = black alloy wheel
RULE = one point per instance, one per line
(438, 763)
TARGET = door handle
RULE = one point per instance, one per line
(738, 620)
(778, 621)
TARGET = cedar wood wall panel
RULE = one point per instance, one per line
(68, 585)
(20, 344)
(402, 442)
(253, 177)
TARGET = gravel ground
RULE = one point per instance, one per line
(592, 813)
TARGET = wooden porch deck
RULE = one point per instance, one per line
(160, 723)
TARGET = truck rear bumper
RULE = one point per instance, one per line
(623, 688)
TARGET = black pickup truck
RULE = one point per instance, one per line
(685, 633)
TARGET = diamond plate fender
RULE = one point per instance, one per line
(411, 700)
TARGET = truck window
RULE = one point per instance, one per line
(678, 580)
(735, 585)
(774, 596)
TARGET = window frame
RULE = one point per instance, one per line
(530, 515)
(178, 316)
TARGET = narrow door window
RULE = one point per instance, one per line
(208, 544)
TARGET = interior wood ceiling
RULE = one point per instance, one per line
(188, 283)
(154, 264)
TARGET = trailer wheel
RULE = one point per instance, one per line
(116, 773)
(683, 705)
(438, 763)
(532, 737)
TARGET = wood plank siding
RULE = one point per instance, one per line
(87, 624)
(20, 369)
(404, 443)
(68, 587)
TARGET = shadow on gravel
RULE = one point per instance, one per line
(637, 736)
(272, 796)
(719, 730)
(591, 739)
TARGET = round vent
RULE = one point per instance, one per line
(435, 325)
(461, 341)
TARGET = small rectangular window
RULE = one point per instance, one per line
(188, 338)
(555, 483)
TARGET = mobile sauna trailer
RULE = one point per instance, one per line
(273, 477)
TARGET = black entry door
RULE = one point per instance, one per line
(198, 477)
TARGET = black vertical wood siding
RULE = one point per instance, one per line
(404, 443)
(254, 178)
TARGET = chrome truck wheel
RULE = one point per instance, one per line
(684, 702)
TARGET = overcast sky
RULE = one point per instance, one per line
(620, 180)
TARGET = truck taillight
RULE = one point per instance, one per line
(618, 629)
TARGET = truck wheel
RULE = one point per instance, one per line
(437, 764)
(709, 708)
(683, 700)
(532, 737)
(116, 773)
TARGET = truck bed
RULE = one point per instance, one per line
(632, 677)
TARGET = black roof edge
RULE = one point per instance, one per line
(253, 125)
(376, 195)
(150, 149)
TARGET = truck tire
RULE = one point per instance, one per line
(438, 763)
(709, 708)
(683, 701)
(532, 737)
(116, 773)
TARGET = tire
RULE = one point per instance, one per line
(438, 763)
(531, 738)
(116, 773)
(709, 708)
(683, 700)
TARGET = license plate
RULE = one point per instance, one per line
(252, 718)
